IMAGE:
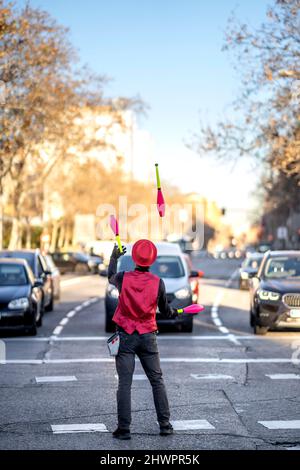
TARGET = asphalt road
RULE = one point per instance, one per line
(228, 389)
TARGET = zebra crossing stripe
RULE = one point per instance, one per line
(56, 378)
(77, 428)
(283, 376)
(191, 425)
(292, 424)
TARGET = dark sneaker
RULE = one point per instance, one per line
(166, 430)
(123, 434)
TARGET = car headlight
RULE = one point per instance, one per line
(113, 292)
(244, 275)
(182, 293)
(268, 295)
(18, 304)
(91, 264)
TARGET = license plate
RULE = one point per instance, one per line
(295, 313)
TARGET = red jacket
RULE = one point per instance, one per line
(137, 305)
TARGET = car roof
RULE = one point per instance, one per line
(14, 261)
(163, 248)
(255, 255)
(283, 253)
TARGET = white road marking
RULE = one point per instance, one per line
(191, 424)
(212, 377)
(57, 330)
(76, 428)
(192, 360)
(69, 315)
(293, 424)
(56, 378)
(160, 338)
(136, 377)
(283, 376)
(215, 312)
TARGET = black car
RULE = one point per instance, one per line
(76, 262)
(20, 296)
(275, 292)
(250, 268)
(38, 265)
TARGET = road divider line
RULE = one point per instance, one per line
(57, 331)
(160, 338)
(55, 378)
(191, 360)
(214, 313)
(77, 428)
(292, 424)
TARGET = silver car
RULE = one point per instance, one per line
(171, 266)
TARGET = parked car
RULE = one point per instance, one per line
(55, 276)
(171, 266)
(250, 267)
(21, 296)
(76, 262)
(275, 292)
(38, 265)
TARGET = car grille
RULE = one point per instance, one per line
(292, 300)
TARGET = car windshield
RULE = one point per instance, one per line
(284, 267)
(164, 266)
(252, 263)
(12, 275)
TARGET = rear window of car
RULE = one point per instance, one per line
(253, 263)
(283, 267)
(168, 267)
(12, 275)
(29, 257)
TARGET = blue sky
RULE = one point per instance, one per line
(168, 52)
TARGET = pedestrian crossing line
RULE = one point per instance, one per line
(188, 360)
(191, 425)
(283, 376)
(136, 377)
(292, 424)
(77, 428)
(211, 377)
(56, 378)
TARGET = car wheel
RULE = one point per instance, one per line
(260, 330)
(40, 320)
(252, 319)
(187, 327)
(32, 330)
(110, 326)
(50, 306)
(81, 268)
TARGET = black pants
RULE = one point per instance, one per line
(145, 347)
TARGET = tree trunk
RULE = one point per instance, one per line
(62, 236)
(28, 236)
(15, 241)
(54, 236)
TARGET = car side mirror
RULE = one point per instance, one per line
(38, 282)
(196, 274)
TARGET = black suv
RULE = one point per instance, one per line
(275, 292)
(38, 265)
